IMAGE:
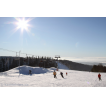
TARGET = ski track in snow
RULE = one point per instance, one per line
(42, 77)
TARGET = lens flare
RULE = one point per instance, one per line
(22, 24)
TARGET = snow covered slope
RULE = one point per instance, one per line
(61, 66)
(42, 77)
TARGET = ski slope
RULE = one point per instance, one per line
(42, 77)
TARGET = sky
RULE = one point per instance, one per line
(50, 36)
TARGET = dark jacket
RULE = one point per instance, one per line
(61, 73)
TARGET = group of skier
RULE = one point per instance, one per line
(61, 73)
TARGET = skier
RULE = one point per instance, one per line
(99, 76)
(61, 74)
(30, 72)
(54, 73)
(66, 73)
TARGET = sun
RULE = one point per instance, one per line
(22, 24)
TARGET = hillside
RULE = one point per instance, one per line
(76, 66)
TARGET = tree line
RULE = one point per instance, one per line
(45, 62)
(98, 68)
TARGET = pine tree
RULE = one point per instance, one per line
(42, 57)
(21, 61)
(10, 63)
(3, 61)
(15, 63)
(6, 67)
(27, 60)
(1, 68)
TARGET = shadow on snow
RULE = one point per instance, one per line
(35, 70)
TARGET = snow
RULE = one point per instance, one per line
(42, 77)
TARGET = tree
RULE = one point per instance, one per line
(104, 69)
(98, 68)
(6, 67)
(1, 68)
(94, 69)
(21, 61)
(42, 57)
(100, 64)
(27, 60)
(10, 61)
(14, 63)
(3, 61)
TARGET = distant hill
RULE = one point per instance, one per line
(93, 63)
(76, 66)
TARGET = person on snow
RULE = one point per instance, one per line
(66, 73)
(30, 72)
(54, 73)
(61, 74)
(99, 76)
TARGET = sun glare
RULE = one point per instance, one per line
(22, 24)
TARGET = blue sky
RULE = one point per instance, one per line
(50, 36)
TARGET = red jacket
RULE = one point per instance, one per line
(99, 75)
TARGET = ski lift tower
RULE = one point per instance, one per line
(57, 56)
